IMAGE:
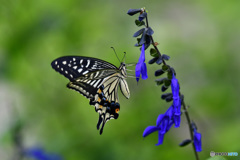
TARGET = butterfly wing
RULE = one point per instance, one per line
(96, 79)
(106, 103)
(73, 67)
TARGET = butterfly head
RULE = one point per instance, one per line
(123, 70)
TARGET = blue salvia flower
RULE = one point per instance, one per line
(177, 111)
(170, 117)
(141, 67)
(174, 87)
(177, 120)
(163, 124)
(40, 154)
(176, 100)
(197, 141)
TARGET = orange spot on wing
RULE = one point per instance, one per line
(117, 110)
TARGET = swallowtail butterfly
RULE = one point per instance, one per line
(98, 81)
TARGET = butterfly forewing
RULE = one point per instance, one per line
(75, 66)
(97, 80)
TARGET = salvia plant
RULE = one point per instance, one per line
(172, 116)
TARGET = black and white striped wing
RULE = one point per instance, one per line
(73, 67)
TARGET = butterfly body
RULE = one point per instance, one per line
(98, 81)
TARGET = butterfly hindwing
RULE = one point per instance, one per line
(107, 102)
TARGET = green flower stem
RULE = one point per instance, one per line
(153, 43)
(190, 127)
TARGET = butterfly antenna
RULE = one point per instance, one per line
(124, 56)
(116, 54)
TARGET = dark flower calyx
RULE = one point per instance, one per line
(147, 45)
(148, 41)
(159, 61)
(149, 31)
(165, 57)
(160, 81)
(139, 32)
(164, 88)
(131, 12)
(153, 60)
(185, 142)
(165, 95)
(169, 99)
(136, 45)
(143, 38)
(159, 72)
(142, 16)
(173, 71)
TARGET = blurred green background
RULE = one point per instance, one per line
(201, 37)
